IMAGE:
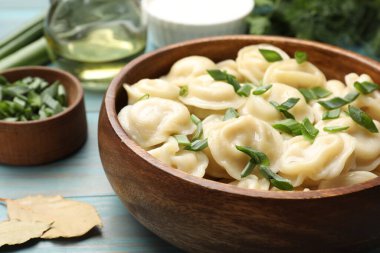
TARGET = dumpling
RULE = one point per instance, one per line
(367, 144)
(327, 157)
(244, 131)
(152, 121)
(350, 178)
(252, 182)
(231, 68)
(370, 103)
(193, 163)
(252, 65)
(289, 72)
(152, 87)
(205, 93)
(189, 67)
(259, 106)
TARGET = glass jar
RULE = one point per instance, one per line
(94, 39)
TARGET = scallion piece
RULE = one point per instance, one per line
(182, 140)
(257, 156)
(284, 107)
(366, 87)
(244, 90)
(197, 145)
(276, 180)
(231, 113)
(289, 126)
(199, 130)
(335, 129)
(270, 55)
(333, 114)
(184, 91)
(248, 168)
(300, 57)
(338, 102)
(309, 132)
(362, 119)
(262, 89)
(219, 75)
(314, 93)
(143, 97)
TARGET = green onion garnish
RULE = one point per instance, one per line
(184, 91)
(262, 89)
(276, 180)
(335, 129)
(362, 119)
(231, 113)
(143, 97)
(333, 114)
(197, 145)
(257, 158)
(284, 107)
(270, 55)
(289, 126)
(314, 93)
(244, 90)
(366, 87)
(219, 75)
(182, 140)
(248, 168)
(300, 57)
(199, 130)
(309, 132)
(338, 102)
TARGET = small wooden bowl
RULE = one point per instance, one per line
(43, 141)
(200, 215)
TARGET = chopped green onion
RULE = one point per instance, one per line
(248, 168)
(289, 126)
(231, 113)
(257, 156)
(219, 75)
(143, 97)
(366, 87)
(309, 132)
(300, 57)
(314, 93)
(199, 130)
(276, 180)
(262, 89)
(244, 90)
(270, 55)
(338, 102)
(184, 91)
(333, 114)
(182, 140)
(197, 145)
(284, 107)
(335, 129)
(362, 119)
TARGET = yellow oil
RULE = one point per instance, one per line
(93, 48)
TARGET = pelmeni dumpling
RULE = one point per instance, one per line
(260, 107)
(327, 157)
(347, 179)
(252, 65)
(153, 87)
(189, 67)
(231, 68)
(206, 93)
(289, 72)
(244, 131)
(370, 103)
(152, 121)
(193, 163)
(252, 182)
(367, 144)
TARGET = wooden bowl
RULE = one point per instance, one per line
(43, 141)
(200, 215)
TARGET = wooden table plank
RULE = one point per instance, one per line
(121, 233)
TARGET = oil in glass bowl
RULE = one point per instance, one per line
(94, 39)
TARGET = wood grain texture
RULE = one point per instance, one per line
(200, 215)
(43, 141)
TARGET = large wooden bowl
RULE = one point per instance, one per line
(200, 215)
(43, 141)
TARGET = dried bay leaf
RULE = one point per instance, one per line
(69, 218)
(16, 232)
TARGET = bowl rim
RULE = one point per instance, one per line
(111, 114)
(73, 80)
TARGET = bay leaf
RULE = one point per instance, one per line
(69, 218)
(16, 232)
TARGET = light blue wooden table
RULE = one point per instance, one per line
(79, 177)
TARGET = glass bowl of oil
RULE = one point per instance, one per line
(94, 39)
